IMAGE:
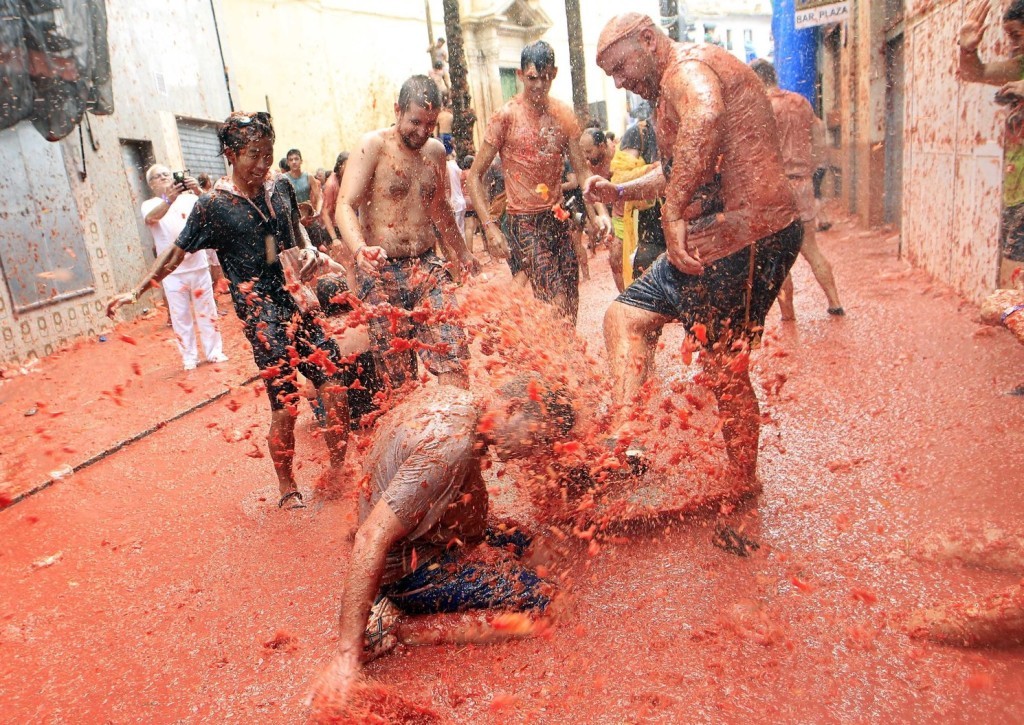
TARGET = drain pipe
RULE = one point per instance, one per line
(224, 65)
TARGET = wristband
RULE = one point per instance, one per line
(620, 190)
(1009, 311)
(165, 200)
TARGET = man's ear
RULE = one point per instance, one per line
(398, 111)
(554, 71)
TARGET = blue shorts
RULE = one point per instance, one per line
(456, 583)
(718, 298)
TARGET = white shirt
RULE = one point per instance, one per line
(458, 201)
(166, 229)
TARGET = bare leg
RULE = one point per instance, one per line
(471, 232)
(729, 380)
(820, 266)
(336, 433)
(615, 261)
(281, 441)
(990, 548)
(576, 235)
(786, 299)
(627, 335)
(996, 622)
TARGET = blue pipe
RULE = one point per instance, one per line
(795, 52)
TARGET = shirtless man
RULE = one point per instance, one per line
(533, 133)
(397, 181)
(802, 144)
(425, 544)
(730, 222)
(445, 123)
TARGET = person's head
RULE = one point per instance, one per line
(525, 415)
(205, 181)
(339, 164)
(440, 42)
(594, 145)
(1013, 27)
(627, 51)
(159, 178)
(330, 293)
(320, 175)
(536, 71)
(247, 142)
(294, 159)
(282, 165)
(766, 72)
(438, 65)
(467, 162)
(609, 138)
(419, 102)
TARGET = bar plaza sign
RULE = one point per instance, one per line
(820, 12)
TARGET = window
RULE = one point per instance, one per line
(200, 148)
(748, 36)
(42, 248)
(509, 83)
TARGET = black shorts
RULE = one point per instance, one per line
(717, 298)
(284, 340)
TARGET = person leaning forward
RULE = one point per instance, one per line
(731, 227)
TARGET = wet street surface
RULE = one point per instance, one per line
(161, 583)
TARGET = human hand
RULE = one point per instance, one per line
(599, 189)
(470, 264)
(191, 184)
(369, 259)
(310, 258)
(602, 228)
(973, 29)
(334, 686)
(115, 303)
(497, 245)
(1012, 91)
(679, 254)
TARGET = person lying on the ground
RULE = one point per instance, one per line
(251, 222)
(997, 620)
(424, 545)
(393, 197)
(731, 226)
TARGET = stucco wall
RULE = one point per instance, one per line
(952, 155)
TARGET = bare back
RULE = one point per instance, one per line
(397, 188)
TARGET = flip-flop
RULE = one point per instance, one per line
(377, 639)
(289, 496)
(729, 539)
(836, 311)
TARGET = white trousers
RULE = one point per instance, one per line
(188, 291)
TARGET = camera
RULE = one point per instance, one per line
(179, 176)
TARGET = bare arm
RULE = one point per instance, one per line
(166, 263)
(316, 196)
(355, 186)
(475, 184)
(970, 67)
(600, 222)
(648, 186)
(441, 214)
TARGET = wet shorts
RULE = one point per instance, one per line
(455, 582)
(539, 246)
(413, 301)
(284, 340)
(717, 298)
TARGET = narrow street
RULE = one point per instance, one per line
(161, 583)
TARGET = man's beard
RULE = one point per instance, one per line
(411, 144)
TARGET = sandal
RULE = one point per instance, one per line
(377, 639)
(289, 496)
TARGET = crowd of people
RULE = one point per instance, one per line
(706, 203)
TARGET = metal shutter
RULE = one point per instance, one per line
(200, 148)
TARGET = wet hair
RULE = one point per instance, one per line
(596, 135)
(1014, 12)
(327, 287)
(440, 41)
(540, 55)
(554, 407)
(293, 152)
(467, 161)
(766, 71)
(283, 164)
(419, 90)
(438, 65)
(341, 160)
(240, 128)
(205, 182)
(609, 135)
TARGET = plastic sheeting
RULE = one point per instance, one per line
(54, 63)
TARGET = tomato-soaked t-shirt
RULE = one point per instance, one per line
(425, 464)
(532, 144)
(796, 123)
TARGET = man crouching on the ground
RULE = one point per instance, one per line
(249, 221)
(424, 546)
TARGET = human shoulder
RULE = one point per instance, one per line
(566, 117)
(150, 204)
